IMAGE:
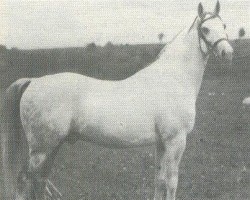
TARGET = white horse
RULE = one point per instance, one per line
(155, 106)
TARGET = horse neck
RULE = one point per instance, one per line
(183, 61)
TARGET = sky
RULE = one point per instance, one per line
(28, 24)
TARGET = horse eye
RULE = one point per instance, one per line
(205, 30)
(225, 26)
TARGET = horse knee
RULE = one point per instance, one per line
(172, 182)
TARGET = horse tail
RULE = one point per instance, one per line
(13, 141)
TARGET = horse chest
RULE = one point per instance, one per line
(175, 117)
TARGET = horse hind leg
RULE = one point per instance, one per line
(32, 179)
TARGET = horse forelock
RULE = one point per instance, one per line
(207, 15)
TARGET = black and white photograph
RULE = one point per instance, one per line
(124, 100)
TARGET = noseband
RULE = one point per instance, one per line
(201, 36)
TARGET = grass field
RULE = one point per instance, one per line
(215, 165)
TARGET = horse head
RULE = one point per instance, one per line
(213, 38)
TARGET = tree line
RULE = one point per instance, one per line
(112, 62)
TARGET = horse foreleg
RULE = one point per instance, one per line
(167, 165)
(160, 185)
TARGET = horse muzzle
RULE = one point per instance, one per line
(225, 52)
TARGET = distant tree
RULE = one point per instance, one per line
(109, 45)
(160, 37)
(91, 48)
(91, 45)
(14, 49)
(242, 33)
(2, 47)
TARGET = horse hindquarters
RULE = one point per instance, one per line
(47, 125)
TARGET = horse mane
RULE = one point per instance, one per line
(191, 27)
(166, 46)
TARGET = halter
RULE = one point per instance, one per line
(201, 36)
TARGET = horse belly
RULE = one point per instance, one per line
(118, 130)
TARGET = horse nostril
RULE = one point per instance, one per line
(223, 54)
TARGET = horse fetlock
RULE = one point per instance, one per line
(30, 186)
(25, 187)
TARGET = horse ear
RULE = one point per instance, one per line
(200, 10)
(217, 8)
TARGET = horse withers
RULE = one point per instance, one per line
(155, 106)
